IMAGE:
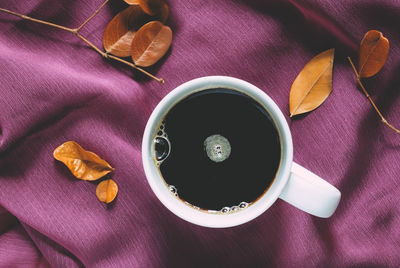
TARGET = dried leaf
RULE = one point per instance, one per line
(132, 2)
(106, 191)
(150, 43)
(158, 8)
(83, 164)
(313, 84)
(162, 13)
(374, 50)
(117, 37)
(152, 7)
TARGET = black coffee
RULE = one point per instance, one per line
(224, 149)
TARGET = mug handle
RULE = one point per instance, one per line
(310, 193)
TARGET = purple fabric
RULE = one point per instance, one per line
(54, 88)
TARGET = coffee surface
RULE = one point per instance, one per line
(224, 149)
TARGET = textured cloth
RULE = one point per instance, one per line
(55, 88)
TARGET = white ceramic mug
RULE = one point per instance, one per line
(293, 183)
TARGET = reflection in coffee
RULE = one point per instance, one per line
(218, 150)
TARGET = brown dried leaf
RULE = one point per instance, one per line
(150, 43)
(83, 164)
(374, 50)
(106, 191)
(162, 13)
(313, 84)
(158, 8)
(151, 7)
(117, 37)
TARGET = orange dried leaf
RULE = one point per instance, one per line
(106, 191)
(374, 50)
(132, 2)
(313, 84)
(117, 37)
(150, 43)
(83, 164)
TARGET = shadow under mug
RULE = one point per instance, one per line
(293, 183)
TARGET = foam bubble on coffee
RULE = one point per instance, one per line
(173, 190)
(162, 145)
(217, 147)
(224, 210)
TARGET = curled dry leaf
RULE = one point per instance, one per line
(118, 35)
(374, 50)
(106, 191)
(83, 164)
(150, 43)
(313, 84)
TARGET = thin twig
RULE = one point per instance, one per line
(370, 99)
(36, 20)
(76, 33)
(92, 16)
(90, 44)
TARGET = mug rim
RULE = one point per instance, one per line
(189, 213)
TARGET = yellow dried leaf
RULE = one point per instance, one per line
(83, 164)
(313, 84)
(106, 191)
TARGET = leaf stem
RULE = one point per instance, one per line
(92, 16)
(370, 99)
(89, 43)
(77, 34)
